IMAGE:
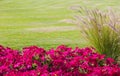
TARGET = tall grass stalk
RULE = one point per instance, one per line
(101, 29)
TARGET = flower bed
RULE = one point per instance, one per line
(62, 61)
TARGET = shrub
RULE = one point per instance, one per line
(101, 29)
(62, 61)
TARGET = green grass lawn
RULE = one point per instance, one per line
(33, 22)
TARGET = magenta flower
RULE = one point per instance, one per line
(62, 61)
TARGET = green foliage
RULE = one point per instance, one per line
(96, 27)
(18, 17)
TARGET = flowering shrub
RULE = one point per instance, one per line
(62, 61)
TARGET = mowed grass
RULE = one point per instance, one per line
(21, 22)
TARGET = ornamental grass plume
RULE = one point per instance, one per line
(101, 29)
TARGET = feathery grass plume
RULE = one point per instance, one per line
(102, 29)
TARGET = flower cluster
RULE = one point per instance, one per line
(62, 61)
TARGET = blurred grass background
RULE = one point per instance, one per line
(27, 22)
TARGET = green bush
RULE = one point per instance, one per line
(101, 29)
